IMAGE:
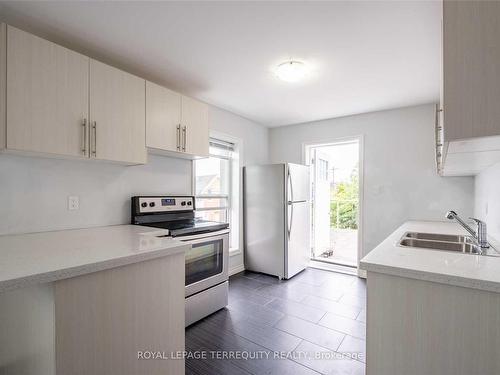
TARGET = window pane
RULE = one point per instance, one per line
(212, 176)
(213, 215)
(211, 202)
(221, 148)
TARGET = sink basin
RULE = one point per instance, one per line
(437, 237)
(462, 247)
(445, 242)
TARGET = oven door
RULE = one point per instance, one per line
(206, 261)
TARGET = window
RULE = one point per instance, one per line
(216, 186)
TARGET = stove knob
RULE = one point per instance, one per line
(151, 204)
(183, 203)
(190, 203)
(144, 204)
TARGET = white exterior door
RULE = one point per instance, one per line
(321, 203)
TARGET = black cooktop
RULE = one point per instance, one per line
(189, 226)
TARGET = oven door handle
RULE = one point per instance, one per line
(195, 238)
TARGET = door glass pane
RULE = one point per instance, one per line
(204, 260)
(335, 205)
(212, 176)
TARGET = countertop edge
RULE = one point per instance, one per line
(467, 274)
(66, 273)
(458, 281)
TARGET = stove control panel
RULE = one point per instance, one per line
(164, 204)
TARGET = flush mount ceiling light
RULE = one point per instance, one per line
(291, 71)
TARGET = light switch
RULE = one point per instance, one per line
(73, 202)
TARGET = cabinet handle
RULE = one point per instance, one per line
(179, 137)
(184, 131)
(94, 128)
(84, 129)
(438, 141)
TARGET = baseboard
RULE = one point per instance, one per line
(237, 269)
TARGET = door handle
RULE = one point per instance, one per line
(290, 221)
(184, 131)
(94, 129)
(84, 129)
(179, 137)
(439, 142)
(289, 181)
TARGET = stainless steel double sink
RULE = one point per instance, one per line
(443, 242)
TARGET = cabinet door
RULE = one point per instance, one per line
(118, 115)
(471, 65)
(47, 90)
(195, 133)
(163, 118)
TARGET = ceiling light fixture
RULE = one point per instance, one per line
(291, 71)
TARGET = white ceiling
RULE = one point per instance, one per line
(366, 56)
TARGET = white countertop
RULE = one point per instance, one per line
(446, 267)
(35, 258)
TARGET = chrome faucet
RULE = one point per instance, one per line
(480, 234)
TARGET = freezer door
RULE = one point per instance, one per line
(298, 184)
(265, 223)
(298, 249)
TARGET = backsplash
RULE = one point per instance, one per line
(487, 199)
(34, 191)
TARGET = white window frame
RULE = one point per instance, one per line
(235, 202)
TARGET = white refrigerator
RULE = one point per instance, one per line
(277, 219)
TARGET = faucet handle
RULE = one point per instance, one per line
(477, 221)
(482, 236)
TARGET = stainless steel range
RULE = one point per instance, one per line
(206, 261)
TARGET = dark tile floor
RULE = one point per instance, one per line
(297, 326)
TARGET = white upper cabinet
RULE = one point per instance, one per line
(47, 96)
(469, 124)
(117, 115)
(471, 63)
(175, 125)
(163, 118)
(3, 79)
(195, 127)
(55, 101)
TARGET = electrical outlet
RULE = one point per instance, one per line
(73, 202)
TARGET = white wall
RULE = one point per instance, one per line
(255, 151)
(487, 199)
(34, 190)
(400, 181)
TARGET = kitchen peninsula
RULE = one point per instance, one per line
(86, 301)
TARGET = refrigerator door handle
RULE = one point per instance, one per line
(290, 183)
(290, 220)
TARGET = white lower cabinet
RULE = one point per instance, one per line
(117, 115)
